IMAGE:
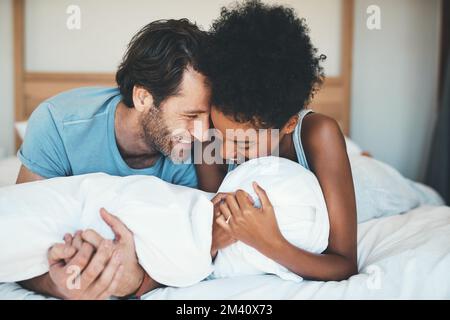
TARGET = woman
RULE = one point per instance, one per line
(264, 72)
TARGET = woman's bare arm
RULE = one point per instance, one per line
(327, 157)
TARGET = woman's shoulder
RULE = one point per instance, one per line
(321, 131)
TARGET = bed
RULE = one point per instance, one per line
(404, 256)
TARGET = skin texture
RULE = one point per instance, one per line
(327, 157)
(142, 135)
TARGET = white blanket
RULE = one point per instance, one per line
(400, 257)
(171, 224)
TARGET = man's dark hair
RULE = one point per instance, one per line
(157, 57)
(261, 64)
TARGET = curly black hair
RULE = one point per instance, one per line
(156, 58)
(261, 64)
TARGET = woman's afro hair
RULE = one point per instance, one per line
(261, 64)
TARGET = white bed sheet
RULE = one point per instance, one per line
(400, 257)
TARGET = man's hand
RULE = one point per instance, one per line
(133, 274)
(220, 237)
(85, 275)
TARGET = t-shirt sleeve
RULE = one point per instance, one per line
(42, 151)
(188, 177)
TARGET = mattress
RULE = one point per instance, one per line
(399, 257)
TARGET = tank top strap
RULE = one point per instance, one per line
(301, 157)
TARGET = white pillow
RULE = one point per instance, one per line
(382, 191)
(21, 128)
(299, 207)
(352, 147)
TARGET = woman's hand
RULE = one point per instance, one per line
(256, 227)
(220, 237)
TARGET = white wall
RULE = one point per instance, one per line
(6, 80)
(395, 82)
(107, 26)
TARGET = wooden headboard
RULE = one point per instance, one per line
(31, 88)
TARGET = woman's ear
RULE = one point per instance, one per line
(289, 127)
(142, 99)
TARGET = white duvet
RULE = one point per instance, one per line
(400, 257)
(172, 225)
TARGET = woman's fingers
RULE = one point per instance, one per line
(243, 199)
(221, 221)
(225, 211)
(233, 205)
(218, 197)
(265, 202)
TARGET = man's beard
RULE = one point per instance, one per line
(156, 133)
(158, 136)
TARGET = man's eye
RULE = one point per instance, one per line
(193, 116)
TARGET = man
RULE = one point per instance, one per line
(144, 127)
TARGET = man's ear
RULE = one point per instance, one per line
(142, 99)
(289, 127)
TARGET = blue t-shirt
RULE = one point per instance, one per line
(73, 133)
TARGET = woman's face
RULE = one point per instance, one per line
(244, 141)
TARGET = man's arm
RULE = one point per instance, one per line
(91, 263)
(43, 155)
(26, 175)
